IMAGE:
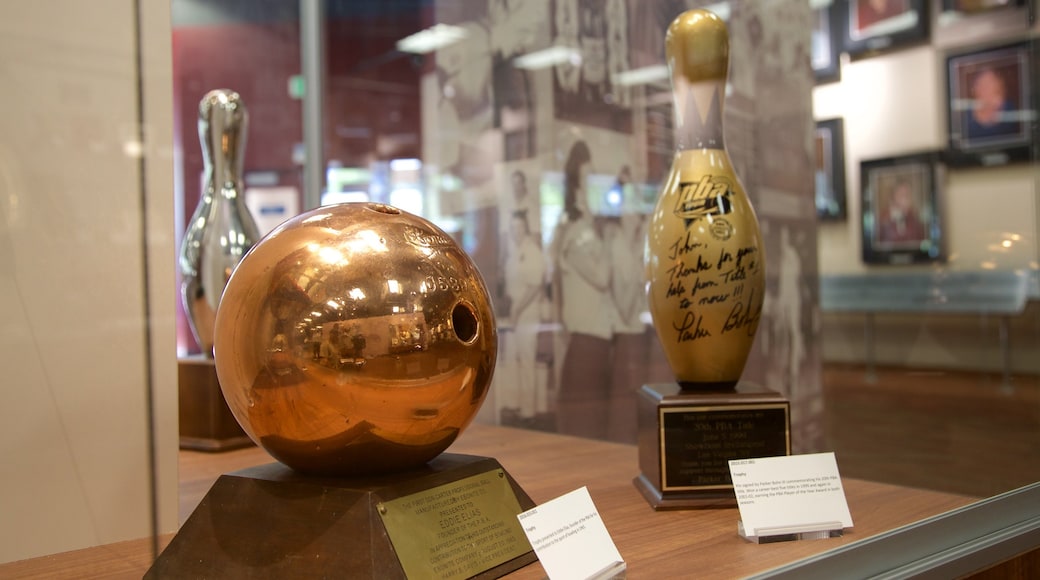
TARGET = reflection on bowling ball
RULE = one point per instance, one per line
(355, 339)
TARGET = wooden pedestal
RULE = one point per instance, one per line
(272, 522)
(206, 422)
(687, 438)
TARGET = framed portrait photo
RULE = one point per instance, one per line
(992, 109)
(826, 44)
(902, 221)
(830, 169)
(877, 25)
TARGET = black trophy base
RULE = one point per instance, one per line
(272, 522)
(687, 437)
(205, 420)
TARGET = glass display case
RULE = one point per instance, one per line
(903, 328)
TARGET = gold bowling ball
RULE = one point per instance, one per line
(355, 339)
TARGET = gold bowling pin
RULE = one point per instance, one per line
(706, 263)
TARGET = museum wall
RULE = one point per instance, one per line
(86, 300)
(893, 103)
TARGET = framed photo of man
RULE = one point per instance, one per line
(900, 206)
(877, 25)
(830, 169)
(992, 110)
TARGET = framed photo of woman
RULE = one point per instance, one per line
(992, 105)
(902, 221)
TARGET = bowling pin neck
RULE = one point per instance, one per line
(222, 132)
(224, 171)
(698, 115)
(697, 50)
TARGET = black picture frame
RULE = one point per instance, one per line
(973, 23)
(1005, 130)
(979, 6)
(826, 44)
(830, 195)
(874, 26)
(901, 210)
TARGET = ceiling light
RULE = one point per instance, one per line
(548, 57)
(431, 39)
(641, 76)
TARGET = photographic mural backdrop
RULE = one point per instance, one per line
(552, 172)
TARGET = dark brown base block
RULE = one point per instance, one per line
(687, 438)
(678, 500)
(272, 522)
(206, 422)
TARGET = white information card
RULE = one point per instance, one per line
(789, 497)
(570, 539)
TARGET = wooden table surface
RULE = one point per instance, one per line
(666, 544)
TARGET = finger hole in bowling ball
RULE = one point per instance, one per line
(383, 208)
(464, 322)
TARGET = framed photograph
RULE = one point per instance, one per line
(992, 105)
(830, 169)
(900, 205)
(826, 44)
(877, 25)
(961, 23)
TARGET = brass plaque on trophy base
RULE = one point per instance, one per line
(456, 530)
(455, 517)
(687, 438)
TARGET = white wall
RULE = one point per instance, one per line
(74, 433)
(894, 104)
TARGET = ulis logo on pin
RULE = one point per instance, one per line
(708, 196)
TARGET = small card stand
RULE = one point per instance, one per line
(205, 420)
(686, 438)
(571, 540)
(616, 571)
(272, 522)
(791, 497)
(792, 533)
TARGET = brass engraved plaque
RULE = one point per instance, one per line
(456, 530)
(697, 442)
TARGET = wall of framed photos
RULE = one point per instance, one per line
(896, 102)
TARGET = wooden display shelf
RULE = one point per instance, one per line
(654, 544)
